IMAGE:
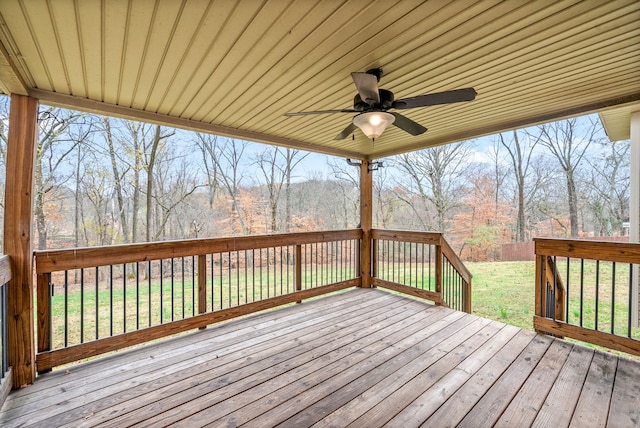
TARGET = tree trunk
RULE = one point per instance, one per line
(117, 182)
(573, 204)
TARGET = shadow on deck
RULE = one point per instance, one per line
(362, 358)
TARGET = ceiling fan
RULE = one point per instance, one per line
(372, 105)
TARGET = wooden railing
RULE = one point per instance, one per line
(95, 300)
(420, 264)
(584, 291)
(5, 370)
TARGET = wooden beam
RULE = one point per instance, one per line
(366, 220)
(21, 149)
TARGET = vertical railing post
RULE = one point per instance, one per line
(466, 296)
(439, 268)
(44, 312)
(299, 269)
(202, 285)
(540, 286)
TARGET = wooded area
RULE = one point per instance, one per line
(103, 181)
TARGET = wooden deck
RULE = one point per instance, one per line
(363, 358)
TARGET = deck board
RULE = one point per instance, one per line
(361, 358)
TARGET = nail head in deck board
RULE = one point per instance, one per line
(595, 397)
(561, 401)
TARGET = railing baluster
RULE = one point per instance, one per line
(97, 310)
(630, 289)
(124, 298)
(149, 290)
(137, 295)
(597, 293)
(66, 308)
(613, 296)
(82, 305)
(110, 300)
(581, 291)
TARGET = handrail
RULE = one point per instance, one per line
(455, 260)
(584, 291)
(451, 283)
(6, 381)
(77, 258)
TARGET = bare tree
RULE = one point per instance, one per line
(56, 142)
(151, 154)
(608, 190)
(348, 182)
(208, 146)
(119, 171)
(568, 141)
(521, 153)
(436, 177)
(277, 165)
(227, 156)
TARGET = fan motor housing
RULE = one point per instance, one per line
(386, 101)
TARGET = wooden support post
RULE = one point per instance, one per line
(366, 220)
(21, 153)
(634, 211)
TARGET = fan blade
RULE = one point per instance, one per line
(305, 113)
(367, 85)
(447, 97)
(408, 125)
(346, 132)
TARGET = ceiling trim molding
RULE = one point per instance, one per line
(92, 106)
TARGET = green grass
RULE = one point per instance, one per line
(504, 291)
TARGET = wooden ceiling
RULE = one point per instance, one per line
(235, 67)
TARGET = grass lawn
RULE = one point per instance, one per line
(504, 291)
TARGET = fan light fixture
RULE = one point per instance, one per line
(373, 123)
